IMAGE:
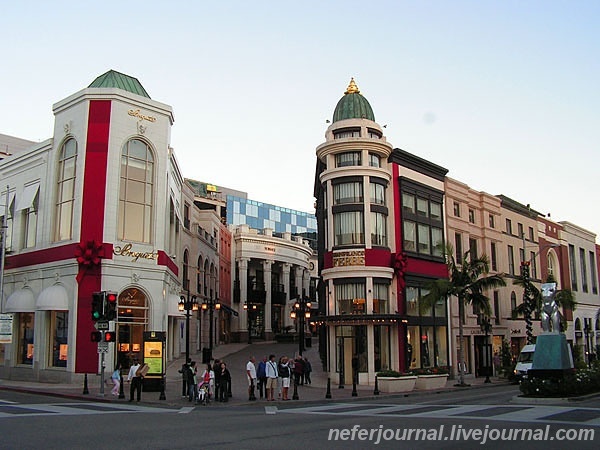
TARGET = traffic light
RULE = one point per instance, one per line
(109, 336)
(97, 306)
(96, 336)
(110, 310)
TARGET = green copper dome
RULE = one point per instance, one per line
(353, 105)
(114, 79)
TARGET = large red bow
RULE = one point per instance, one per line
(88, 254)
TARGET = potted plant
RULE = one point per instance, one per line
(394, 381)
(431, 377)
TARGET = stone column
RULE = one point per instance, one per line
(285, 269)
(267, 279)
(243, 279)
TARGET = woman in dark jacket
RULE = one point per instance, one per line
(224, 383)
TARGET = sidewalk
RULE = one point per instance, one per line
(236, 356)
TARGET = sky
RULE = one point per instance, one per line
(503, 94)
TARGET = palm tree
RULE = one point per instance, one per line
(467, 281)
(564, 298)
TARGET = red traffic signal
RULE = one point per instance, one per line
(96, 336)
(110, 311)
(109, 336)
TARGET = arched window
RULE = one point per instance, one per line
(513, 302)
(65, 191)
(136, 192)
(199, 275)
(185, 275)
(206, 277)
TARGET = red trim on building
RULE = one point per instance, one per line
(92, 228)
(427, 268)
(165, 260)
(46, 255)
(377, 257)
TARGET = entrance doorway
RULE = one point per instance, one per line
(132, 319)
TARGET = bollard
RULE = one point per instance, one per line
(376, 390)
(295, 396)
(85, 385)
(121, 393)
(354, 393)
(162, 389)
(328, 393)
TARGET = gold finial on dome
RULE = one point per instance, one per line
(352, 88)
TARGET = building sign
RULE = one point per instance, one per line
(126, 251)
(350, 258)
(136, 113)
(6, 325)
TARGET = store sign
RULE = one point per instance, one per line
(126, 250)
(136, 113)
(351, 258)
(6, 325)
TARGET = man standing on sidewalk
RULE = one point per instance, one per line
(251, 373)
(184, 377)
(261, 376)
(271, 371)
(136, 381)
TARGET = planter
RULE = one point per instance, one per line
(396, 384)
(431, 381)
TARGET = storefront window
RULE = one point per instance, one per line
(132, 319)
(427, 346)
(380, 298)
(350, 298)
(25, 338)
(382, 347)
(59, 330)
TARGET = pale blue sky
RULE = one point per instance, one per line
(504, 94)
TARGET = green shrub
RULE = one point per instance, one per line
(578, 382)
(392, 373)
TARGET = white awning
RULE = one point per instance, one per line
(29, 193)
(22, 300)
(53, 298)
(172, 308)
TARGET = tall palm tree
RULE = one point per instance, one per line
(468, 281)
(564, 298)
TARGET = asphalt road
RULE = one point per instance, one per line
(40, 422)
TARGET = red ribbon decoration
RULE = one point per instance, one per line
(88, 254)
(400, 263)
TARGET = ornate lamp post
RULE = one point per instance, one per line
(187, 304)
(250, 308)
(486, 327)
(301, 311)
(210, 304)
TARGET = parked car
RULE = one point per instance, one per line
(524, 361)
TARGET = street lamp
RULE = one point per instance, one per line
(486, 327)
(187, 304)
(301, 311)
(249, 308)
(210, 304)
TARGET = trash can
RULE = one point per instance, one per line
(206, 355)
(308, 342)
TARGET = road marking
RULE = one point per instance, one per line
(8, 402)
(271, 409)
(185, 410)
(531, 413)
(72, 409)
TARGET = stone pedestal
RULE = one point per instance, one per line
(552, 357)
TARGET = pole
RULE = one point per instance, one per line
(376, 390)
(210, 328)
(102, 373)
(3, 251)
(328, 393)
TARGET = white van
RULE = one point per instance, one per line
(524, 361)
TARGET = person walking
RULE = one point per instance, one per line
(298, 371)
(184, 382)
(136, 380)
(261, 376)
(307, 370)
(116, 379)
(251, 374)
(271, 375)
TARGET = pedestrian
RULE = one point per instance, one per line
(298, 371)
(116, 379)
(284, 373)
(271, 374)
(217, 370)
(251, 374)
(184, 382)
(192, 381)
(208, 378)
(307, 370)
(261, 376)
(135, 378)
(497, 363)
(224, 382)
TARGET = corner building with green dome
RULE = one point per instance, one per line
(380, 217)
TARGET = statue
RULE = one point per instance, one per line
(550, 313)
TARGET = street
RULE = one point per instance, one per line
(29, 421)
